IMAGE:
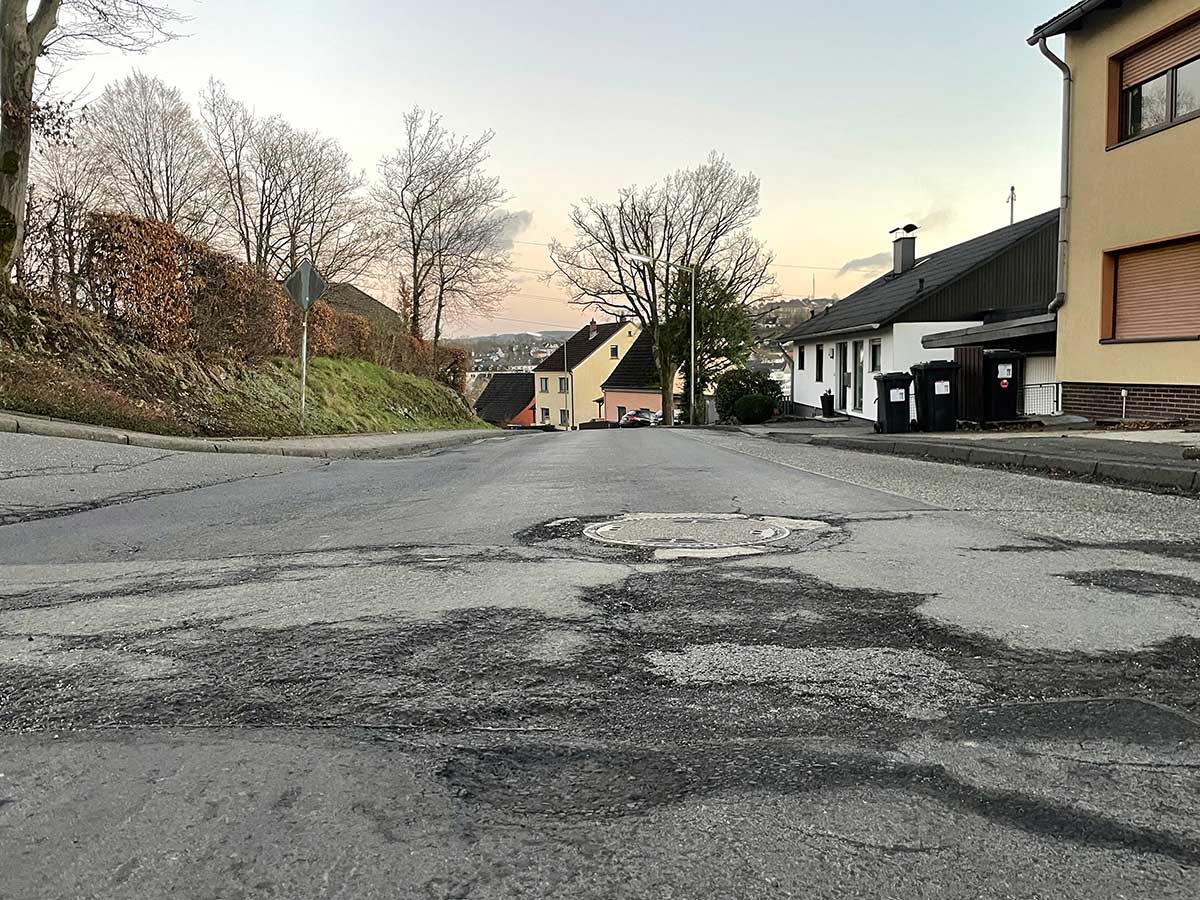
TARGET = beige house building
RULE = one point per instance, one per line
(568, 383)
(1128, 301)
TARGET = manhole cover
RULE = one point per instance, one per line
(695, 531)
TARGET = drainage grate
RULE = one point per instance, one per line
(696, 531)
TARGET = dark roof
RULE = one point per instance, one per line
(580, 346)
(346, 298)
(1005, 329)
(637, 371)
(507, 395)
(1070, 19)
(886, 298)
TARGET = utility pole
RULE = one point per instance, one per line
(1012, 205)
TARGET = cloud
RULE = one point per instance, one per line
(867, 264)
(516, 223)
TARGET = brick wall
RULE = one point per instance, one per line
(1146, 401)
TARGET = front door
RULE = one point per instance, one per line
(843, 376)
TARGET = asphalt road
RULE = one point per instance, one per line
(259, 677)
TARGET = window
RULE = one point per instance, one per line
(620, 412)
(799, 359)
(562, 385)
(1154, 292)
(820, 354)
(544, 385)
(613, 352)
(876, 356)
(562, 417)
(545, 415)
(1160, 83)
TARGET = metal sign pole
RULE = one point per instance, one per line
(303, 367)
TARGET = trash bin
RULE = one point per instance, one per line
(936, 386)
(827, 404)
(891, 402)
(1002, 385)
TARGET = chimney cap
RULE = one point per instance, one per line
(907, 230)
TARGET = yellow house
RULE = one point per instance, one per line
(1129, 295)
(567, 384)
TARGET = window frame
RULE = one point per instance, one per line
(1108, 291)
(564, 417)
(1115, 130)
(564, 384)
(799, 357)
(614, 351)
(545, 415)
(876, 365)
(543, 384)
(819, 376)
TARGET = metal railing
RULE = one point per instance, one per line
(1040, 400)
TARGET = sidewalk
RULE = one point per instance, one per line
(1148, 459)
(341, 446)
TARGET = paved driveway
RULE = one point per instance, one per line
(239, 677)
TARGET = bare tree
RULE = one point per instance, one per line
(326, 215)
(144, 134)
(696, 217)
(428, 188)
(29, 31)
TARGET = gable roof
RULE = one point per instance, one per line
(346, 298)
(1071, 19)
(507, 395)
(580, 346)
(886, 298)
(637, 371)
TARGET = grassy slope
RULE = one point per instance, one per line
(72, 366)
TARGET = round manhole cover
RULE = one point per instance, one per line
(694, 531)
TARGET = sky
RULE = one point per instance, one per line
(857, 117)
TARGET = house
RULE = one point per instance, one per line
(568, 383)
(1128, 302)
(634, 383)
(507, 399)
(346, 298)
(880, 327)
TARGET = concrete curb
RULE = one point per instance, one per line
(58, 428)
(1131, 473)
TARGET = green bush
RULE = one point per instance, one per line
(738, 383)
(754, 409)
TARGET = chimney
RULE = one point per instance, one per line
(592, 330)
(904, 249)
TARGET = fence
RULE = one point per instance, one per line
(1040, 400)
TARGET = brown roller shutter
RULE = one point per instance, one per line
(1166, 53)
(1158, 292)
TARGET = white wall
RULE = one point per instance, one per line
(900, 347)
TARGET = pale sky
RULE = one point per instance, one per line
(856, 116)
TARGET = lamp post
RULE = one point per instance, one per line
(647, 261)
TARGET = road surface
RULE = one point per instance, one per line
(260, 677)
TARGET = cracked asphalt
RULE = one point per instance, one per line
(262, 677)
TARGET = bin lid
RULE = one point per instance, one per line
(1003, 354)
(904, 377)
(937, 365)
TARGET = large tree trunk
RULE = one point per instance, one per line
(18, 61)
(666, 375)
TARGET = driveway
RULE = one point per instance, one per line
(538, 668)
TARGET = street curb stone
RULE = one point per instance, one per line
(45, 427)
(1132, 473)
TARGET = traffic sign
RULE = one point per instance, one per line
(305, 285)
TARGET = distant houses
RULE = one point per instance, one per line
(568, 387)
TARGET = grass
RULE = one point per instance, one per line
(72, 366)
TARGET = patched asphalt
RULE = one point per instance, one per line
(421, 678)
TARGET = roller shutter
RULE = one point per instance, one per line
(1167, 53)
(1158, 292)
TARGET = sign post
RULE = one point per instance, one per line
(305, 286)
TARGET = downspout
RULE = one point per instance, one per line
(1064, 210)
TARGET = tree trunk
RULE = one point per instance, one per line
(666, 375)
(17, 70)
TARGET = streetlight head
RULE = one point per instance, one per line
(636, 257)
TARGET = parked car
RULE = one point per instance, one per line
(638, 418)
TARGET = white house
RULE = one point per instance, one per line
(880, 327)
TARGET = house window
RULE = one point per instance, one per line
(562, 385)
(545, 415)
(799, 359)
(876, 355)
(820, 359)
(562, 417)
(1153, 292)
(614, 352)
(544, 385)
(1160, 83)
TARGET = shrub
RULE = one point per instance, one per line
(738, 383)
(754, 409)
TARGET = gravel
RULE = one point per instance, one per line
(901, 682)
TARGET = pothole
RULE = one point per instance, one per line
(697, 531)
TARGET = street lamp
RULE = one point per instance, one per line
(647, 261)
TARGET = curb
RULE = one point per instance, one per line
(1130, 473)
(261, 447)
